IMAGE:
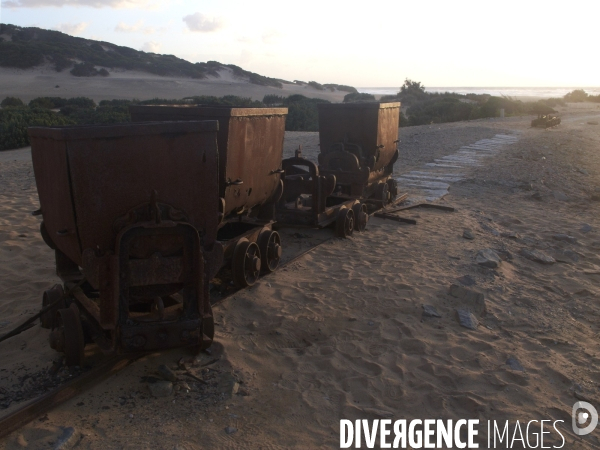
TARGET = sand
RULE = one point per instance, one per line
(340, 333)
(127, 84)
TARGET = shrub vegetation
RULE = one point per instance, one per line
(15, 118)
(340, 87)
(358, 97)
(30, 47)
(11, 102)
(302, 113)
(576, 96)
(437, 107)
(273, 100)
(15, 121)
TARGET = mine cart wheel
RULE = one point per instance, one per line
(361, 216)
(392, 189)
(269, 243)
(48, 319)
(67, 337)
(382, 193)
(344, 224)
(246, 263)
(208, 332)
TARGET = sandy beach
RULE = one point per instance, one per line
(342, 333)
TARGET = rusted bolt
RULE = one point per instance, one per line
(275, 250)
(255, 264)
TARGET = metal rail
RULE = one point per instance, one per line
(110, 366)
(41, 405)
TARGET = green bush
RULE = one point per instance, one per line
(341, 87)
(255, 78)
(234, 100)
(271, 99)
(81, 102)
(411, 92)
(403, 120)
(316, 85)
(101, 115)
(84, 69)
(11, 102)
(15, 121)
(32, 46)
(439, 110)
(303, 114)
(554, 101)
(164, 101)
(540, 107)
(48, 102)
(61, 62)
(118, 102)
(594, 98)
(491, 108)
(42, 102)
(358, 97)
(576, 96)
(20, 55)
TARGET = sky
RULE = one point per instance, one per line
(375, 43)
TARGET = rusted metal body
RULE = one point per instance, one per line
(358, 144)
(132, 213)
(250, 142)
(545, 121)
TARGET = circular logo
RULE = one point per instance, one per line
(581, 417)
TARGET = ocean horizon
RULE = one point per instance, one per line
(544, 92)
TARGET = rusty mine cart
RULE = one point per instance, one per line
(131, 212)
(358, 149)
(250, 144)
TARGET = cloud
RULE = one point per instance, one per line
(198, 22)
(72, 28)
(137, 27)
(60, 3)
(152, 47)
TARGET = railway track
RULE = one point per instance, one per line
(109, 366)
(115, 363)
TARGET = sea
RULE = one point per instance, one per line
(543, 92)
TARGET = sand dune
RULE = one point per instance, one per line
(122, 84)
(341, 334)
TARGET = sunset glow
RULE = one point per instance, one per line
(460, 43)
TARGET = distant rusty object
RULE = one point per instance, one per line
(132, 211)
(358, 144)
(545, 121)
(307, 199)
(250, 142)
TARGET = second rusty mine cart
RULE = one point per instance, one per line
(250, 142)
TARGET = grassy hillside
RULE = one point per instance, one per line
(25, 48)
